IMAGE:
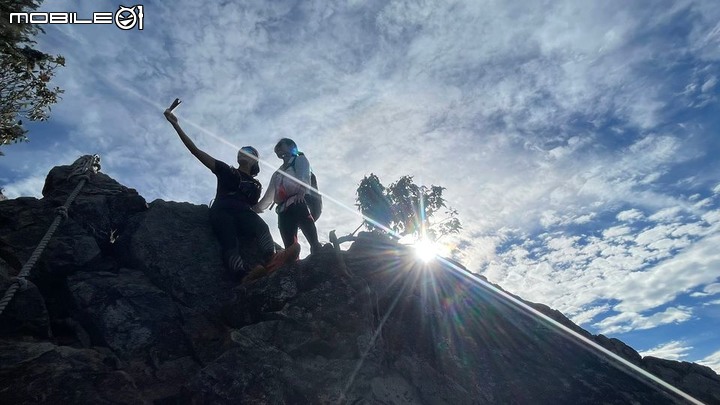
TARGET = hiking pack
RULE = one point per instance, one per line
(250, 190)
(313, 199)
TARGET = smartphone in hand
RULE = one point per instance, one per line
(174, 104)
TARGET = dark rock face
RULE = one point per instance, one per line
(43, 373)
(26, 314)
(130, 304)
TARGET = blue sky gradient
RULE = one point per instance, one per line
(578, 140)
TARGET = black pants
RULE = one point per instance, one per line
(229, 224)
(294, 217)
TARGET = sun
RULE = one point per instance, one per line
(426, 250)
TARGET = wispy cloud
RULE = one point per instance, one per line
(712, 361)
(639, 271)
(674, 350)
(628, 321)
(710, 289)
(714, 302)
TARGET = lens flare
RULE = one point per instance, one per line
(426, 250)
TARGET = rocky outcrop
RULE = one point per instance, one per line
(45, 373)
(130, 304)
(697, 380)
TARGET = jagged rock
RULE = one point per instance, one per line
(23, 223)
(253, 372)
(124, 311)
(26, 314)
(174, 245)
(61, 181)
(128, 313)
(43, 373)
(697, 380)
(141, 307)
(303, 330)
(618, 347)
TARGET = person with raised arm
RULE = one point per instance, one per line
(231, 214)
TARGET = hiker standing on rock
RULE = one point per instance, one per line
(289, 190)
(231, 214)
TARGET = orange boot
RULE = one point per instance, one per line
(286, 256)
(254, 274)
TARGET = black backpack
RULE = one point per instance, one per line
(313, 199)
(248, 188)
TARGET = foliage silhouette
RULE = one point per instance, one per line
(24, 74)
(404, 208)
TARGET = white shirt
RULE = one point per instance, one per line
(288, 185)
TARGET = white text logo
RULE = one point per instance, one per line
(126, 18)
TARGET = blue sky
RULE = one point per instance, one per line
(578, 140)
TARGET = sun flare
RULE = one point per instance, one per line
(426, 250)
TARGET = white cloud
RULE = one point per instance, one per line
(630, 215)
(712, 361)
(27, 187)
(692, 267)
(666, 215)
(586, 316)
(709, 84)
(674, 350)
(712, 288)
(35, 166)
(653, 234)
(616, 231)
(639, 271)
(690, 229)
(582, 219)
(704, 203)
(627, 321)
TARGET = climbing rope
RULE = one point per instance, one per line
(86, 164)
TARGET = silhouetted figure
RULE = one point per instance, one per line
(288, 188)
(231, 214)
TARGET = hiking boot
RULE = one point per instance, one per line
(286, 256)
(293, 252)
(255, 273)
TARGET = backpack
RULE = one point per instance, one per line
(312, 198)
(248, 189)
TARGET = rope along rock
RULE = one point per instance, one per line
(84, 165)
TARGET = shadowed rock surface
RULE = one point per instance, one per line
(130, 304)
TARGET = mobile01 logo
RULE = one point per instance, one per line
(125, 18)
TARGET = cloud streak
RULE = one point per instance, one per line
(674, 350)
(712, 361)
